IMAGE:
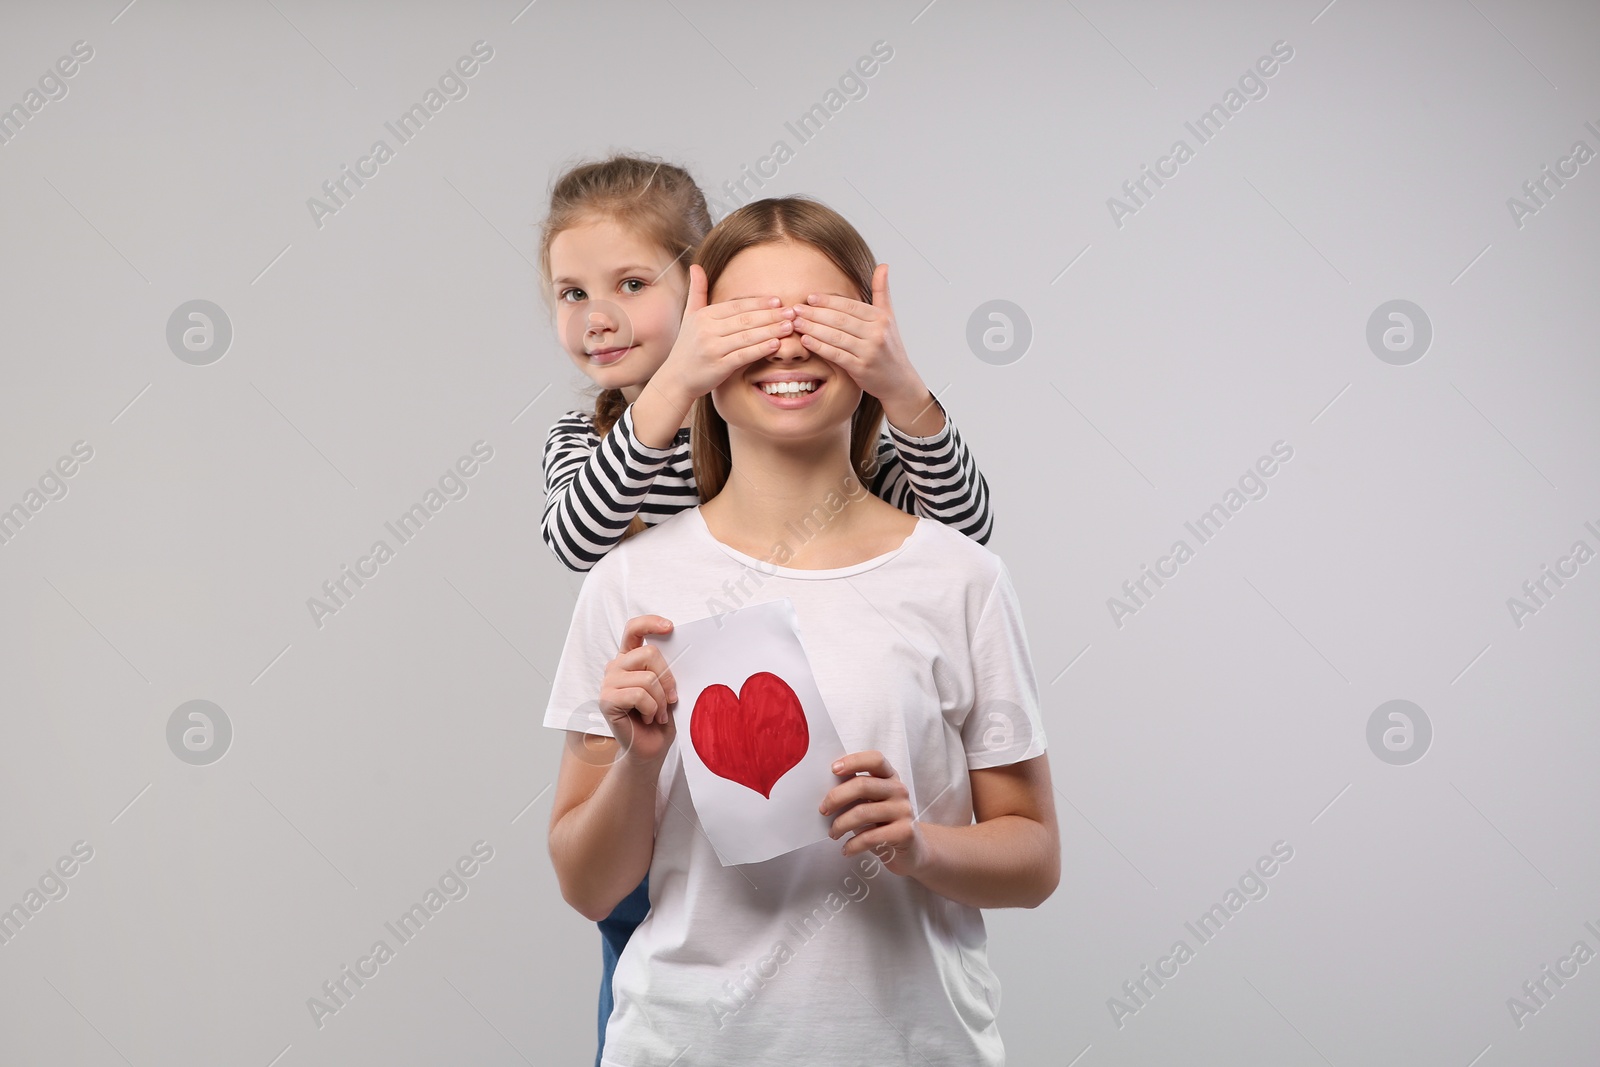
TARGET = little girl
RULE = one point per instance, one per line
(870, 948)
(635, 320)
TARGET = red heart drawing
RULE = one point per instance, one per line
(754, 738)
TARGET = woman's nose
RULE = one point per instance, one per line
(790, 350)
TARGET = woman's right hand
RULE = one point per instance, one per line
(636, 691)
(716, 340)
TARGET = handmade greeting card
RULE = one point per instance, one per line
(756, 741)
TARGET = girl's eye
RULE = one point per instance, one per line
(567, 295)
(634, 281)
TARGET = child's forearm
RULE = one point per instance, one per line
(916, 414)
(1006, 862)
(659, 412)
(931, 473)
(594, 490)
(601, 849)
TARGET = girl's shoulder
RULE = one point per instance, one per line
(576, 418)
(582, 422)
(572, 425)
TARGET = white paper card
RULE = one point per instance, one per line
(758, 758)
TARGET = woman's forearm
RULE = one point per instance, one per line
(601, 849)
(1005, 862)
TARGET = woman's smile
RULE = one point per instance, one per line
(789, 389)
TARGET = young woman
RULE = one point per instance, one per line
(870, 948)
(632, 315)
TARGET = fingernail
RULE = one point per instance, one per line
(839, 766)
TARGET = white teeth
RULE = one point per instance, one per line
(787, 388)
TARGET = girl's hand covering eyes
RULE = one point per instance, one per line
(636, 691)
(863, 341)
(715, 341)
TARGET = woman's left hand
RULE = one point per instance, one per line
(864, 342)
(878, 807)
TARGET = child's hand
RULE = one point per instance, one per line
(864, 342)
(878, 807)
(715, 341)
(636, 690)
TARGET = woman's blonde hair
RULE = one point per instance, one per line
(806, 221)
(654, 198)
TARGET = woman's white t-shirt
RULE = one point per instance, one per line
(813, 957)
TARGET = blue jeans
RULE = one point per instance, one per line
(615, 929)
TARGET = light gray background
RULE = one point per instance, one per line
(1168, 355)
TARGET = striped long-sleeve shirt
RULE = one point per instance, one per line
(594, 487)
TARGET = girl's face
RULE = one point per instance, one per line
(619, 301)
(751, 399)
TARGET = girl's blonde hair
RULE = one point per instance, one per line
(806, 221)
(654, 198)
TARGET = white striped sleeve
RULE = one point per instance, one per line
(594, 487)
(940, 477)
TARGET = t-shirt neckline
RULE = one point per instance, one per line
(806, 574)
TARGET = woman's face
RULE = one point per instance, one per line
(822, 397)
(619, 302)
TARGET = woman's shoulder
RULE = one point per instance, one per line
(672, 541)
(955, 554)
